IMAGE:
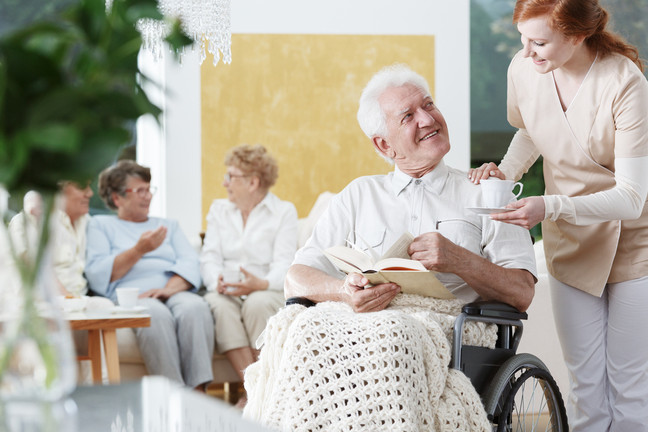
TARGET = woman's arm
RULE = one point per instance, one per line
(149, 241)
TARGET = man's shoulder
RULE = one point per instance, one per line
(460, 177)
(376, 180)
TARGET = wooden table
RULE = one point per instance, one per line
(103, 325)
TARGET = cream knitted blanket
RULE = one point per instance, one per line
(326, 368)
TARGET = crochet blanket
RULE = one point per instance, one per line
(326, 368)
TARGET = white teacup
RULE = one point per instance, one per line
(497, 193)
(127, 297)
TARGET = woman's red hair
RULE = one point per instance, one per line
(573, 18)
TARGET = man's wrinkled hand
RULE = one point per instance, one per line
(363, 298)
(434, 251)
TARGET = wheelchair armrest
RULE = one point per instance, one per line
(495, 309)
(300, 300)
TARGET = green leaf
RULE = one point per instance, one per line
(53, 137)
(177, 38)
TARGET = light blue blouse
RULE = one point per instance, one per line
(108, 236)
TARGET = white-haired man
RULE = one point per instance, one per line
(331, 368)
(476, 257)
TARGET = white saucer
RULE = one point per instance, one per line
(489, 210)
(136, 309)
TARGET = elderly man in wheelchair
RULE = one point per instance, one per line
(369, 357)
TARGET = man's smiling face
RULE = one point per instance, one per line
(417, 134)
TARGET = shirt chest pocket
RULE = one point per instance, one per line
(462, 232)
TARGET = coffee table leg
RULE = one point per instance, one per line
(112, 355)
(94, 353)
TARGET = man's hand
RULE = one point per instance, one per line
(435, 252)
(369, 299)
(489, 280)
(151, 240)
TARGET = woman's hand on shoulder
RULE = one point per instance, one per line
(485, 171)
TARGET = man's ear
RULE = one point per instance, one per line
(383, 147)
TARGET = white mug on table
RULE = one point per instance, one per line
(127, 297)
(497, 193)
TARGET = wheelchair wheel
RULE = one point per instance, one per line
(522, 388)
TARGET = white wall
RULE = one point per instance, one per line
(173, 152)
(172, 148)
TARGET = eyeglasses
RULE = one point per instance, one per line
(228, 177)
(142, 191)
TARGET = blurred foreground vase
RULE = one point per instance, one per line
(37, 357)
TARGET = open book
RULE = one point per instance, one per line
(394, 266)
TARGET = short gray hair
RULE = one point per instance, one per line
(370, 114)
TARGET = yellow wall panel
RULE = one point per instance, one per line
(298, 96)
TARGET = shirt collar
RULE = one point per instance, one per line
(435, 179)
(269, 201)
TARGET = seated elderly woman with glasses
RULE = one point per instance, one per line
(250, 242)
(133, 249)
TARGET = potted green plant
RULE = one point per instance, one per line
(70, 92)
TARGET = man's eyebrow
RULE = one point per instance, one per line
(403, 111)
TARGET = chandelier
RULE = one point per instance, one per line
(207, 22)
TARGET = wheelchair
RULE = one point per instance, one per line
(514, 388)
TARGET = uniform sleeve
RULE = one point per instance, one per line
(627, 198)
(285, 245)
(519, 157)
(624, 201)
(522, 152)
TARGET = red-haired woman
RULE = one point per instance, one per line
(578, 97)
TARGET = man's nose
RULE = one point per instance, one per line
(424, 118)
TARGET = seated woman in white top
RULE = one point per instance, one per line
(252, 235)
(70, 225)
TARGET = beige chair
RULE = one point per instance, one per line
(130, 359)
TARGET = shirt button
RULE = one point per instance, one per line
(418, 181)
(414, 217)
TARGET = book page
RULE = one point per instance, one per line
(399, 248)
(348, 260)
(399, 264)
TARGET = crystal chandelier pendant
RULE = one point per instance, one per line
(207, 22)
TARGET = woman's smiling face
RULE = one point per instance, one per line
(547, 48)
